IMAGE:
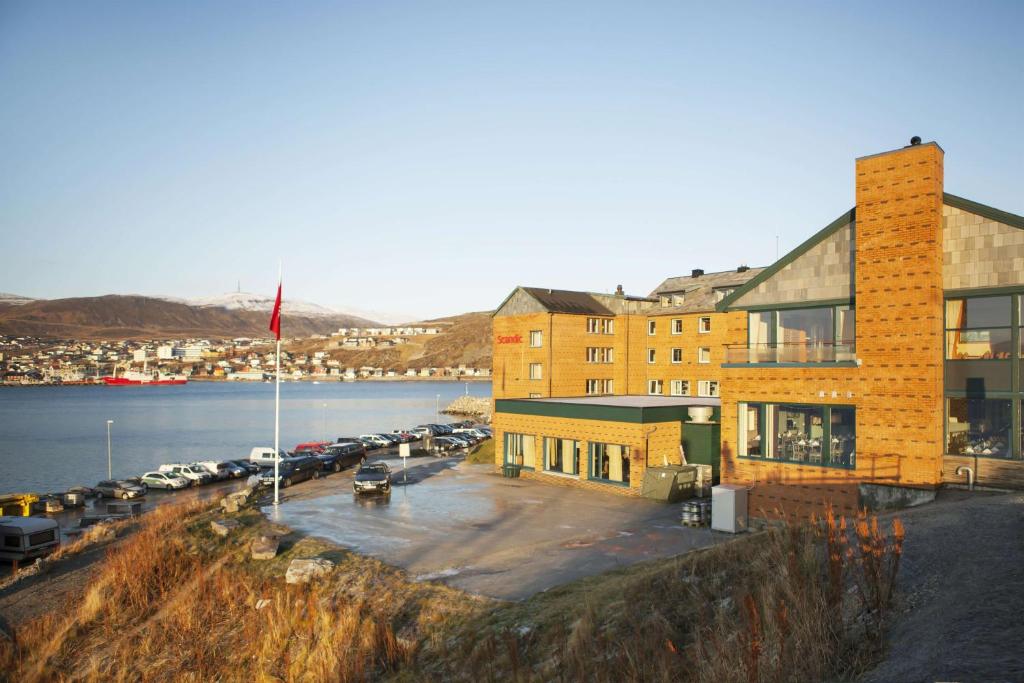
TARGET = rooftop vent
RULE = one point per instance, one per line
(916, 140)
(697, 272)
(742, 269)
(618, 291)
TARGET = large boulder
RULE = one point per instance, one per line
(229, 504)
(264, 548)
(302, 571)
(223, 527)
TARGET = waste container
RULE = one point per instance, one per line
(511, 471)
(669, 483)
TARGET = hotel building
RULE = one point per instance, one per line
(867, 367)
(591, 389)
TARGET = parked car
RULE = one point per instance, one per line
(338, 456)
(443, 444)
(310, 448)
(137, 481)
(249, 467)
(292, 471)
(164, 480)
(377, 439)
(110, 488)
(371, 444)
(406, 437)
(372, 478)
(26, 538)
(219, 470)
(264, 457)
(195, 475)
(391, 439)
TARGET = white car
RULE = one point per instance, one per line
(164, 480)
(377, 439)
(195, 475)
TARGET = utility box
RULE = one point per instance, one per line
(669, 484)
(729, 508)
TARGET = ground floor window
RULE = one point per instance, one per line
(654, 387)
(811, 434)
(561, 455)
(979, 426)
(521, 449)
(609, 462)
(598, 387)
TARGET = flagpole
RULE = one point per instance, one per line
(277, 401)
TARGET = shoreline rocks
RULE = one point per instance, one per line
(473, 406)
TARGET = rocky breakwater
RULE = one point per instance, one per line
(474, 406)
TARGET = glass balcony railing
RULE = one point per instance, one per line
(809, 352)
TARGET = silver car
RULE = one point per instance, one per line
(164, 480)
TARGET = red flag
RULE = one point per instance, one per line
(275, 317)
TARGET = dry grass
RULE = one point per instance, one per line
(765, 608)
(482, 454)
(793, 603)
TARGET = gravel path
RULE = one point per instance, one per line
(961, 605)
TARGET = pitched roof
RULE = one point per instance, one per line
(850, 216)
(699, 292)
(568, 301)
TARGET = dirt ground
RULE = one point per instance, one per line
(961, 592)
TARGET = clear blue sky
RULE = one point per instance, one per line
(427, 157)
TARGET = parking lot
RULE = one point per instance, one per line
(504, 538)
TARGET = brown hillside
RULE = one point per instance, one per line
(127, 317)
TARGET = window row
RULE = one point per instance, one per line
(607, 462)
(600, 354)
(676, 355)
(601, 325)
(807, 434)
(600, 387)
(982, 427)
(801, 335)
(981, 328)
(706, 388)
(676, 325)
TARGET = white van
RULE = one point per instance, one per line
(26, 538)
(196, 475)
(264, 456)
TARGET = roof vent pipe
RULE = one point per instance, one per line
(916, 140)
(742, 269)
(697, 272)
(619, 291)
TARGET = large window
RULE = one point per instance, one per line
(979, 328)
(807, 434)
(979, 427)
(521, 449)
(601, 325)
(609, 462)
(600, 354)
(561, 455)
(600, 387)
(799, 335)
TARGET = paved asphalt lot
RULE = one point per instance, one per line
(505, 538)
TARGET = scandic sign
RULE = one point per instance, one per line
(513, 339)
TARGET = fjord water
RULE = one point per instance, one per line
(52, 438)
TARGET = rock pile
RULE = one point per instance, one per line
(473, 406)
(303, 571)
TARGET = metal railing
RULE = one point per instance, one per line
(800, 352)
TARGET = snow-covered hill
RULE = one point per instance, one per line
(14, 299)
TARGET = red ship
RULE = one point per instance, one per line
(134, 377)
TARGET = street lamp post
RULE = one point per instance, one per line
(110, 468)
